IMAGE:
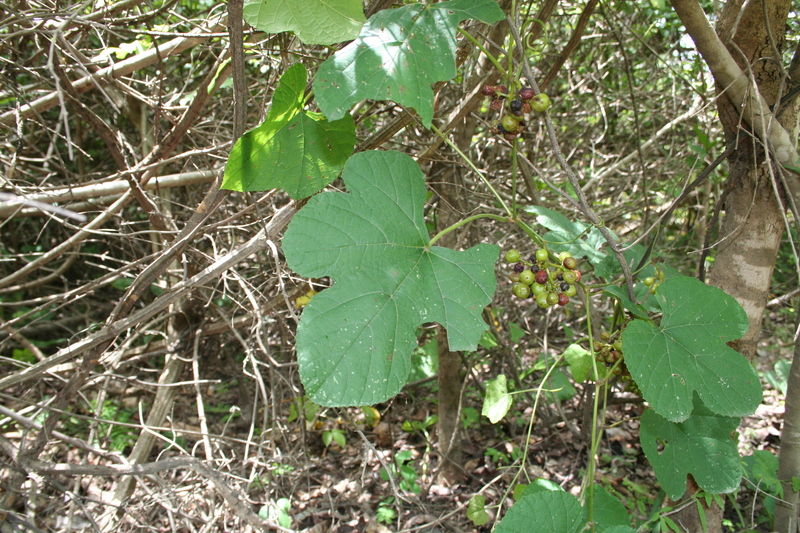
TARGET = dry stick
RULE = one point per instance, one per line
(573, 178)
(112, 330)
(118, 70)
(10, 204)
(577, 34)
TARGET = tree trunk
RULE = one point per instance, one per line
(789, 460)
(752, 227)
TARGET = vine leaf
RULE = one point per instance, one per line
(313, 21)
(476, 510)
(565, 235)
(687, 353)
(551, 511)
(397, 56)
(292, 150)
(608, 511)
(498, 400)
(355, 339)
(701, 446)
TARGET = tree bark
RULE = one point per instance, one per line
(742, 58)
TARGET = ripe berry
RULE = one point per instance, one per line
(501, 90)
(510, 136)
(521, 290)
(540, 103)
(496, 105)
(519, 267)
(516, 107)
(563, 299)
(570, 263)
(526, 108)
(526, 277)
(542, 255)
(534, 268)
(541, 277)
(488, 90)
(564, 286)
(512, 256)
(526, 93)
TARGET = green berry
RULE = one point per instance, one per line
(570, 263)
(512, 256)
(572, 291)
(649, 281)
(514, 276)
(521, 290)
(552, 298)
(542, 255)
(540, 103)
(526, 277)
(510, 124)
(541, 300)
(570, 277)
(538, 289)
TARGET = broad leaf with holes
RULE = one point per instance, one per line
(313, 21)
(702, 446)
(292, 150)
(686, 353)
(355, 339)
(397, 56)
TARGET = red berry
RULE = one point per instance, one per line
(496, 105)
(563, 299)
(526, 93)
(526, 108)
(570, 263)
(577, 275)
(488, 90)
(501, 90)
(542, 277)
(510, 136)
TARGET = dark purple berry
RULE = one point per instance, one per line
(541, 277)
(516, 107)
(501, 90)
(534, 267)
(496, 105)
(488, 90)
(526, 93)
(519, 267)
(564, 286)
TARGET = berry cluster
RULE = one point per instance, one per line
(654, 281)
(547, 282)
(608, 351)
(523, 103)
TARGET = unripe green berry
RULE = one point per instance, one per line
(526, 277)
(542, 255)
(541, 300)
(512, 256)
(521, 290)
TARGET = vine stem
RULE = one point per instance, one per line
(482, 48)
(571, 176)
(460, 223)
(475, 169)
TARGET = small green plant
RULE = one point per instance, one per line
(385, 513)
(277, 511)
(403, 466)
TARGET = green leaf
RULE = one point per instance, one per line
(761, 469)
(608, 511)
(313, 21)
(498, 401)
(476, 510)
(701, 445)
(398, 55)
(579, 361)
(687, 353)
(550, 512)
(577, 238)
(559, 387)
(290, 149)
(355, 339)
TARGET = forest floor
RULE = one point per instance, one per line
(324, 470)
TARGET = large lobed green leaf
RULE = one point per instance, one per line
(544, 512)
(397, 56)
(355, 339)
(291, 149)
(687, 353)
(313, 21)
(701, 445)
